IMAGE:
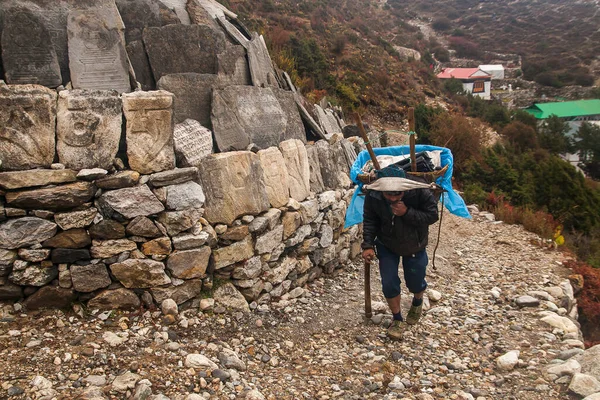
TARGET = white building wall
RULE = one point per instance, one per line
(486, 94)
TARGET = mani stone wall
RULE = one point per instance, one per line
(264, 223)
(114, 195)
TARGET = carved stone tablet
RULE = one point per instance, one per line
(234, 186)
(88, 128)
(258, 118)
(175, 49)
(54, 15)
(140, 14)
(193, 142)
(233, 67)
(141, 65)
(294, 127)
(296, 160)
(261, 66)
(97, 56)
(233, 32)
(192, 95)
(149, 118)
(180, 9)
(27, 126)
(199, 15)
(27, 52)
(276, 176)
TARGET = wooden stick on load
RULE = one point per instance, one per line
(411, 128)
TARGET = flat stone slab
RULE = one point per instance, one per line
(276, 176)
(233, 184)
(192, 95)
(193, 142)
(296, 161)
(132, 202)
(58, 198)
(149, 133)
(245, 114)
(175, 49)
(259, 61)
(27, 126)
(27, 52)
(134, 273)
(173, 177)
(97, 55)
(88, 128)
(36, 177)
(140, 14)
(25, 232)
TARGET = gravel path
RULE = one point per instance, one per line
(318, 345)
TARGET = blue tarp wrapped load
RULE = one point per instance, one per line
(452, 200)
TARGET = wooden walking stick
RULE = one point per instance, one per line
(367, 276)
(368, 312)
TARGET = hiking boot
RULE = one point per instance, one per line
(395, 330)
(414, 314)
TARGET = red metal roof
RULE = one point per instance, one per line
(462, 73)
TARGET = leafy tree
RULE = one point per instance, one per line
(424, 116)
(552, 135)
(525, 117)
(520, 136)
(310, 60)
(462, 135)
(453, 86)
(588, 144)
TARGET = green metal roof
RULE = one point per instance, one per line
(565, 109)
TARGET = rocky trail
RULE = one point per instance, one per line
(482, 337)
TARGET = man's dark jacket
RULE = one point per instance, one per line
(403, 235)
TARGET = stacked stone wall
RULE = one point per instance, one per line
(149, 227)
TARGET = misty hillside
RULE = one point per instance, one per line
(361, 52)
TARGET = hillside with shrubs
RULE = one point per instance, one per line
(358, 54)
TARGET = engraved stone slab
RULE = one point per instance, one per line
(275, 175)
(54, 16)
(27, 126)
(233, 67)
(258, 117)
(234, 186)
(192, 95)
(141, 65)
(193, 142)
(180, 9)
(316, 179)
(176, 49)
(199, 15)
(97, 55)
(140, 14)
(149, 118)
(261, 66)
(296, 160)
(27, 52)
(88, 128)
(294, 126)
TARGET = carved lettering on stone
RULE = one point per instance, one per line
(193, 142)
(27, 52)
(192, 95)
(233, 67)
(296, 160)
(149, 131)
(234, 186)
(97, 55)
(275, 175)
(258, 117)
(27, 126)
(176, 49)
(88, 128)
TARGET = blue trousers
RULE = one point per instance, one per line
(414, 266)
